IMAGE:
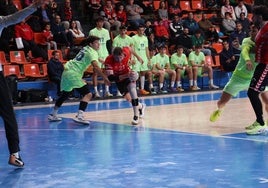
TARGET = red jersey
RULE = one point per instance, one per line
(262, 45)
(119, 68)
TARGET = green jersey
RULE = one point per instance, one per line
(119, 41)
(75, 68)
(104, 36)
(247, 53)
(161, 60)
(196, 58)
(140, 45)
(178, 60)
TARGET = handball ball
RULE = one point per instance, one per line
(133, 76)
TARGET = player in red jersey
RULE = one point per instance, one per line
(118, 70)
(259, 80)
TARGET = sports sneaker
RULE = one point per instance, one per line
(215, 115)
(152, 91)
(256, 129)
(52, 117)
(162, 91)
(144, 92)
(97, 95)
(212, 86)
(142, 110)
(108, 94)
(250, 126)
(179, 89)
(195, 88)
(13, 160)
(119, 94)
(81, 119)
(135, 120)
(172, 89)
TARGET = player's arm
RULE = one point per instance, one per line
(100, 72)
(245, 55)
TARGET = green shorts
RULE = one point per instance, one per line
(236, 84)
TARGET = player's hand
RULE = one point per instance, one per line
(249, 65)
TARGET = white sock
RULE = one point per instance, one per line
(161, 85)
(16, 154)
(142, 80)
(195, 82)
(106, 89)
(96, 89)
(191, 82)
(172, 84)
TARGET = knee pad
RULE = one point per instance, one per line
(135, 102)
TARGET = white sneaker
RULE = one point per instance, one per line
(108, 94)
(135, 120)
(142, 110)
(119, 94)
(81, 119)
(212, 86)
(52, 118)
(97, 95)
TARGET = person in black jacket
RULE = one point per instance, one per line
(228, 58)
(55, 69)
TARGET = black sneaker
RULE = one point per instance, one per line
(152, 91)
(13, 160)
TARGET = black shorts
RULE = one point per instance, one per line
(84, 90)
(260, 78)
(122, 86)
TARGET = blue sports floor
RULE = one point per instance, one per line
(151, 155)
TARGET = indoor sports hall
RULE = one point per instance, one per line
(174, 145)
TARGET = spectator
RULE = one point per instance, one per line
(78, 35)
(205, 24)
(174, 9)
(228, 8)
(190, 23)
(55, 69)
(60, 34)
(48, 37)
(228, 59)
(212, 35)
(161, 33)
(121, 14)
(199, 40)
(240, 8)
(109, 14)
(25, 32)
(185, 40)
(228, 24)
(163, 13)
(238, 33)
(175, 28)
(246, 23)
(134, 14)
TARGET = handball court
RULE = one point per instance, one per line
(174, 145)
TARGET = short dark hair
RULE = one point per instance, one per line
(89, 40)
(261, 10)
(54, 52)
(117, 51)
